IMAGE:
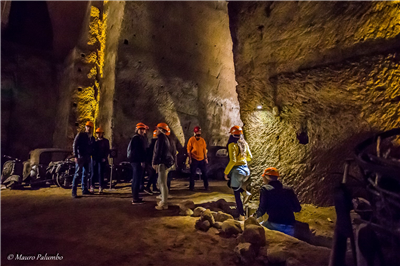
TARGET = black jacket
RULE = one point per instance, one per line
(164, 151)
(83, 145)
(136, 152)
(101, 149)
(279, 202)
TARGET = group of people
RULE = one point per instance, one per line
(159, 158)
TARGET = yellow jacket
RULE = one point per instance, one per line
(235, 157)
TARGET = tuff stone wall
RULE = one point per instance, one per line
(327, 69)
(174, 65)
(28, 100)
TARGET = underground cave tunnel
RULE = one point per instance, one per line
(312, 84)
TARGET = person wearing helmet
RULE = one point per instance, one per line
(136, 154)
(152, 173)
(197, 153)
(279, 202)
(101, 150)
(237, 169)
(163, 160)
(82, 148)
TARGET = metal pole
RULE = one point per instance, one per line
(111, 174)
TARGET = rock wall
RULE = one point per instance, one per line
(328, 70)
(174, 64)
(28, 99)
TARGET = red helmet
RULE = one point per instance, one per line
(271, 171)
(141, 125)
(236, 130)
(196, 129)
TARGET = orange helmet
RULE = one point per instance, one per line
(168, 132)
(155, 134)
(99, 130)
(236, 130)
(271, 171)
(141, 125)
(163, 126)
(89, 124)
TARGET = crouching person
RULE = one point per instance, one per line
(279, 202)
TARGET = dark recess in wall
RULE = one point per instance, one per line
(30, 25)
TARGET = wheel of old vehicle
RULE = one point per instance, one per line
(63, 180)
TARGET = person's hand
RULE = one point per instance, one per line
(226, 177)
(76, 160)
(143, 165)
(154, 167)
(103, 160)
(206, 161)
(190, 160)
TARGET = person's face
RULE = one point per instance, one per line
(88, 129)
(142, 131)
(99, 135)
(198, 134)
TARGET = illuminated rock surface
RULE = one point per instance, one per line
(327, 69)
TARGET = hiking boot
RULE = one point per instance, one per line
(241, 218)
(100, 190)
(91, 189)
(161, 206)
(86, 192)
(74, 196)
(139, 200)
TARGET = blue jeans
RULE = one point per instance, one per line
(82, 168)
(284, 228)
(99, 169)
(193, 167)
(137, 175)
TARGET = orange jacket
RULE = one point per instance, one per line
(197, 148)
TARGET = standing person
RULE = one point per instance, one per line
(82, 147)
(197, 153)
(136, 154)
(101, 150)
(163, 160)
(237, 169)
(151, 172)
(279, 202)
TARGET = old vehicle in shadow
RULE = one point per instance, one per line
(217, 161)
(38, 170)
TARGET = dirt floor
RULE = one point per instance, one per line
(107, 230)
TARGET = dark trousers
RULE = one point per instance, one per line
(82, 170)
(239, 203)
(99, 169)
(193, 167)
(137, 175)
(152, 178)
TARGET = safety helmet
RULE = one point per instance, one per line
(168, 132)
(196, 129)
(236, 130)
(271, 171)
(99, 130)
(155, 134)
(141, 125)
(89, 124)
(163, 126)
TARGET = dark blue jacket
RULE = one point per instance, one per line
(136, 152)
(83, 145)
(101, 149)
(279, 202)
